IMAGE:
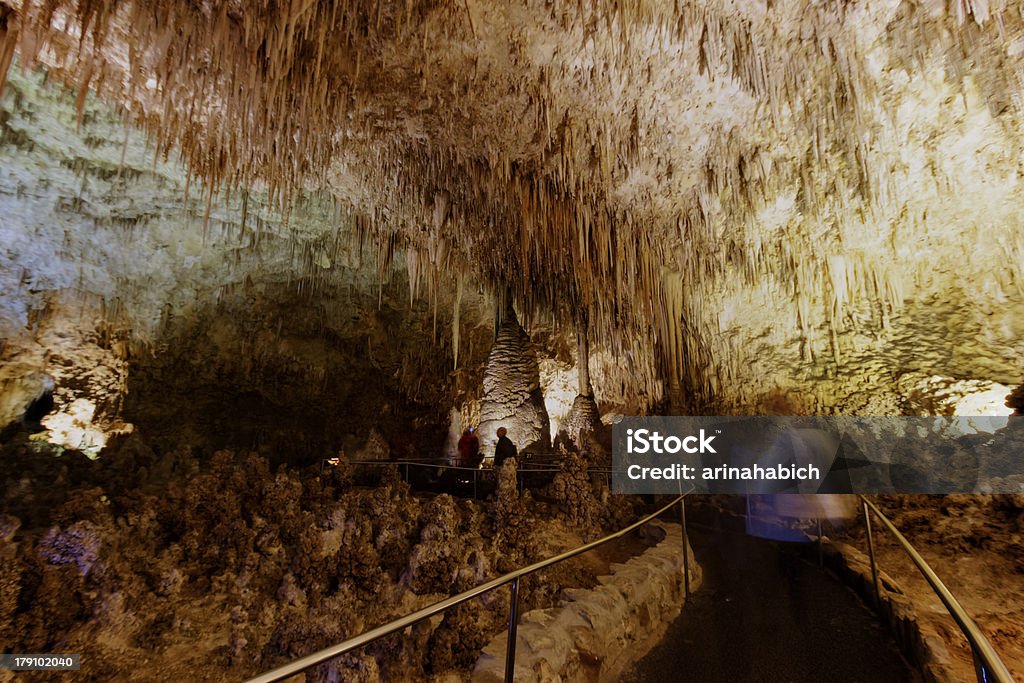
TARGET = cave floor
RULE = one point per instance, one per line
(767, 612)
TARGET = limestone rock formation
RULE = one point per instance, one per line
(574, 492)
(583, 419)
(509, 511)
(513, 398)
(731, 231)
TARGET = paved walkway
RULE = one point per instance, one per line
(768, 613)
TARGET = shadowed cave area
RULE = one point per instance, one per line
(275, 276)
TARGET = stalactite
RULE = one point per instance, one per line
(583, 357)
(551, 196)
(456, 323)
(8, 41)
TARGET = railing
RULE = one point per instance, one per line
(987, 664)
(322, 656)
(531, 466)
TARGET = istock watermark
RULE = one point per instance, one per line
(724, 473)
(752, 455)
(645, 441)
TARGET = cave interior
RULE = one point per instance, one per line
(252, 252)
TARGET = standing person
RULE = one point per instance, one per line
(504, 449)
(469, 449)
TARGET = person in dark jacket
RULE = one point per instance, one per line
(504, 449)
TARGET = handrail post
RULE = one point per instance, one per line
(821, 556)
(475, 496)
(871, 553)
(979, 666)
(686, 548)
(513, 625)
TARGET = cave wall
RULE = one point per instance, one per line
(883, 284)
(234, 329)
(764, 207)
(226, 326)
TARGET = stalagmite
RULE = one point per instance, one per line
(584, 417)
(512, 395)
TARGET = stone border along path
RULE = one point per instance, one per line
(595, 634)
(925, 649)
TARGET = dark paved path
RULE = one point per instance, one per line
(767, 612)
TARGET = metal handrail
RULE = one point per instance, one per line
(987, 664)
(538, 461)
(445, 463)
(543, 467)
(543, 457)
(528, 467)
(326, 654)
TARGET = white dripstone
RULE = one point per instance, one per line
(512, 394)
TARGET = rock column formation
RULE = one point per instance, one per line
(584, 418)
(512, 394)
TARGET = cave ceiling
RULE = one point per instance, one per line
(676, 170)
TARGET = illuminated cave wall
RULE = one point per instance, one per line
(234, 329)
(764, 207)
(121, 294)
